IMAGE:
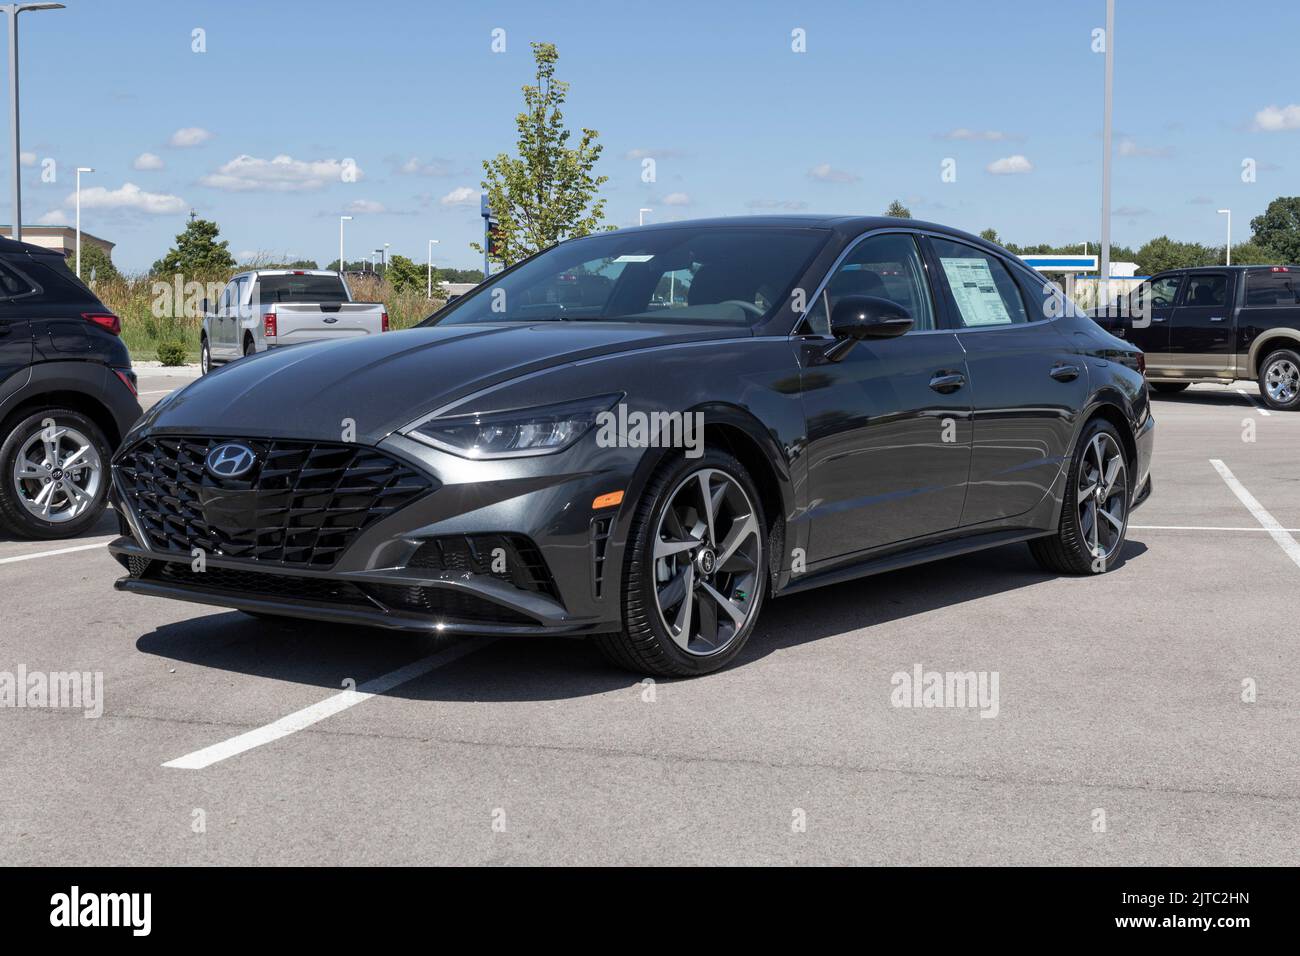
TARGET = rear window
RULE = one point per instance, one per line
(1273, 288)
(60, 283)
(291, 288)
(11, 283)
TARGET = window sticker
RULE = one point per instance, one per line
(978, 299)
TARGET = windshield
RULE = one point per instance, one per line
(296, 288)
(708, 275)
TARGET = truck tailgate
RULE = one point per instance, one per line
(308, 322)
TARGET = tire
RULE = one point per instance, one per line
(648, 644)
(205, 356)
(1279, 380)
(69, 516)
(249, 347)
(1073, 549)
(1170, 388)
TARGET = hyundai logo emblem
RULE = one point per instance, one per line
(230, 460)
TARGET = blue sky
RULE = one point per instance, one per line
(737, 122)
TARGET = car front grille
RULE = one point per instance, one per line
(256, 583)
(302, 504)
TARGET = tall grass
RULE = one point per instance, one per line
(151, 314)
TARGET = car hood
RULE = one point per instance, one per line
(382, 382)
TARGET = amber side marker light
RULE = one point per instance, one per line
(608, 500)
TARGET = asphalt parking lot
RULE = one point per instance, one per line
(1121, 694)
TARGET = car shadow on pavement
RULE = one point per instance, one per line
(1219, 399)
(543, 668)
(107, 524)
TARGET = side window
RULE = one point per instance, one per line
(1273, 289)
(1161, 293)
(12, 284)
(1206, 290)
(982, 289)
(227, 298)
(888, 267)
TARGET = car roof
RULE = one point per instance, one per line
(842, 223)
(1233, 268)
(14, 247)
(287, 272)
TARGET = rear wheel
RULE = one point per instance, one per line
(249, 346)
(53, 474)
(205, 357)
(1094, 518)
(1279, 380)
(695, 574)
(1170, 388)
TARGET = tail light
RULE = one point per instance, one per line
(383, 322)
(1142, 362)
(105, 320)
(268, 325)
(128, 379)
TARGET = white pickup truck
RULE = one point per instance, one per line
(274, 307)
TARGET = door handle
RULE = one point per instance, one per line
(1157, 318)
(1064, 373)
(947, 382)
(1216, 318)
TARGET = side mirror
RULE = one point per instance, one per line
(858, 317)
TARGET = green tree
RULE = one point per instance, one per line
(898, 210)
(96, 266)
(1278, 228)
(991, 235)
(548, 192)
(405, 275)
(197, 251)
(1253, 254)
(1163, 253)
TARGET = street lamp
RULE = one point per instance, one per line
(428, 292)
(1104, 288)
(640, 221)
(12, 10)
(80, 170)
(342, 220)
(384, 260)
(1228, 213)
(373, 254)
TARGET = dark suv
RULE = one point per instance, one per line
(67, 395)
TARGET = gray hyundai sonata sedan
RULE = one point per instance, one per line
(640, 436)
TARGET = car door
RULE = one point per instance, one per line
(1201, 327)
(889, 424)
(1147, 324)
(15, 333)
(226, 320)
(1027, 381)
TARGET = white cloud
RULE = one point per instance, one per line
(27, 159)
(1010, 166)
(128, 196)
(282, 174)
(434, 167)
(642, 153)
(1272, 119)
(981, 135)
(55, 217)
(677, 199)
(365, 206)
(823, 173)
(147, 161)
(460, 196)
(1130, 147)
(190, 136)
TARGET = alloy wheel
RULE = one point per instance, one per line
(1282, 380)
(708, 554)
(1103, 496)
(58, 474)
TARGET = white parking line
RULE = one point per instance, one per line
(1251, 398)
(158, 391)
(302, 719)
(1179, 527)
(50, 554)
(1271, 524)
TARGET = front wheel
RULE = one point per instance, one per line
(205, 357)
(696, 570)
(1094, 518)
(54, 474)
(1279, 380)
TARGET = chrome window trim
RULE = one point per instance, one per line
(892, 230)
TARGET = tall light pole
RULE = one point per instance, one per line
(1104, 286)
(428, 292)
(384, 260)
(80, 170)
(12, 10)
(342, 220)
(1228, 213)
(640, 219)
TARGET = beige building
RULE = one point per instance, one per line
(62, 238)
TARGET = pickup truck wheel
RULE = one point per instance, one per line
(249, 347)
(53, 474)
(1279, 380)
(1170, 388)
(1094, 519)
(205, 357)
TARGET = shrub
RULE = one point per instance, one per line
(173, 353)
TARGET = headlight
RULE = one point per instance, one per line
(513, 434)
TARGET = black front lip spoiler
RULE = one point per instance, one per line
(553, 618)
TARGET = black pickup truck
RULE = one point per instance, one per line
(1218, 324)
